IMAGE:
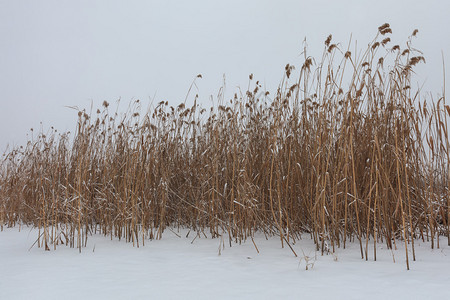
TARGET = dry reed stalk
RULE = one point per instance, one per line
(344, 151)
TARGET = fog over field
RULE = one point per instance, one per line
(55, 54)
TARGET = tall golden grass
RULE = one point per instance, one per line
(346, 151)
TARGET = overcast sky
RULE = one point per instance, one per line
(58, 53)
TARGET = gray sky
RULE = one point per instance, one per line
(68, 53)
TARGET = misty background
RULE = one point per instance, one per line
(55, 54)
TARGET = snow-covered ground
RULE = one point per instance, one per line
(175, 268)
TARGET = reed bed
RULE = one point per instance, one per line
(344, 150)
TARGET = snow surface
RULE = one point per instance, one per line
(175, 268)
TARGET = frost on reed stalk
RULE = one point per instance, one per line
(346, 151)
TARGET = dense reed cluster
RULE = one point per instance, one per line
(344, 150)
